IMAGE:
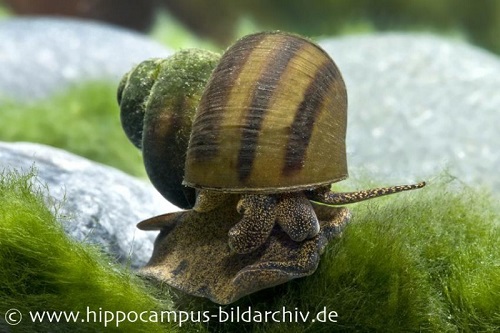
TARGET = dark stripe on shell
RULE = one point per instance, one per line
(262, 94)
(204, 140)
(166, 134)
(307, 113)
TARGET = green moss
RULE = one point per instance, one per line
(422, 261)
(84, 120)
(41, 269)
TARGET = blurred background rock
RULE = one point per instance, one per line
(223, 20)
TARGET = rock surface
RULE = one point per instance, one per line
(42, 55)
(99, 204)
(418, 105)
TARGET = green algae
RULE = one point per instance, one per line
(83, 119)
(42, 269)
(422, 261)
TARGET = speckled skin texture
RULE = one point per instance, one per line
(192, 252)
(324, 195)
(292, 211)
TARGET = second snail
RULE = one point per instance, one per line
(250, 143)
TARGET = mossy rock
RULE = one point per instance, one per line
(423, 261)
(41, 269)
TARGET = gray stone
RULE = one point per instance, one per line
(419, 104)
(97, 203)
(39, 56)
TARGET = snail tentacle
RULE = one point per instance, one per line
(326, 196)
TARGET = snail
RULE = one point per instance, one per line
(271, 126)
(249, 143)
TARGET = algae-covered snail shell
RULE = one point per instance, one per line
(158, 100)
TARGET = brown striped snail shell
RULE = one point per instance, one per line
(158, 100)
(271, 126)
(272, 119)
